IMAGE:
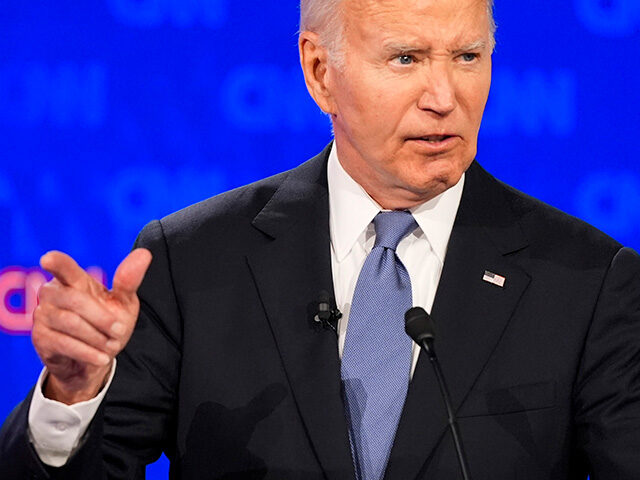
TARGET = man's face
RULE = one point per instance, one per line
(408, 101)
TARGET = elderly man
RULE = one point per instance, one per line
(221, 364)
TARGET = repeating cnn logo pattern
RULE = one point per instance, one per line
(19, 288)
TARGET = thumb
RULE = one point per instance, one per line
(131, 271)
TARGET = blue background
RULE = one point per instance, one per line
(116, 112)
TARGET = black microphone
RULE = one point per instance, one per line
(420, 327)
(327, 314)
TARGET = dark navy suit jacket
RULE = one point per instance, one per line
(228, 374)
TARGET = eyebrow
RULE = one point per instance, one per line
(477, 45)
(403, 48)
(399, 47)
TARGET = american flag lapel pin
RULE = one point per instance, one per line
(494, 278)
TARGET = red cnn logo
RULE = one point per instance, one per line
(19, 288)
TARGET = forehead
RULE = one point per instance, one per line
(430, 20)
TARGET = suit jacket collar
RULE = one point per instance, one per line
(470, 314)
(291, 272)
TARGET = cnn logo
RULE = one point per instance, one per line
(19, 288)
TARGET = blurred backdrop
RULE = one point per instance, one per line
(117, 112)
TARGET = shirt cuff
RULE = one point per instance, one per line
(55, 429)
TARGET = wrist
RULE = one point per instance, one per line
(75, 390)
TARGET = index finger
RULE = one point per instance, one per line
(64, 268)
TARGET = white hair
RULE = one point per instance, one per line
(325, 18)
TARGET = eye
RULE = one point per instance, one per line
(469, 57)
(405, 59)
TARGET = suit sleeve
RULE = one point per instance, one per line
(136, 421)
(607, 389)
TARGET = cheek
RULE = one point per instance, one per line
(371, 94)
(472, 88)
(370, 116)
(352, 103)
(475, 98)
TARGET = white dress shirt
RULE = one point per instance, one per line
(351, 214)
(56, 429)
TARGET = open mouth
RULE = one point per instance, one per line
(435, 138)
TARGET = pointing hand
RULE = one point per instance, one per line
(79, 326)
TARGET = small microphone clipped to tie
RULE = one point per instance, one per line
(327, 314)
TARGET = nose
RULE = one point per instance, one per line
(438, 93)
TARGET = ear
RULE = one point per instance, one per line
(317, 71)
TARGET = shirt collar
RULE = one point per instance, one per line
(351, 210)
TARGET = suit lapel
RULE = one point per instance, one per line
(470, 316)
(290, 272)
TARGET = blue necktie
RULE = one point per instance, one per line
(376, 360)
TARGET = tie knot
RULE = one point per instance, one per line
(391, 227)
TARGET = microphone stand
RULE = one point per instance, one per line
(427, 345)
(420, 327)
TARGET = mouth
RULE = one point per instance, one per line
(434, 139)
(435, 144)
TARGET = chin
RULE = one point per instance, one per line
(433, 188)
(439, 175)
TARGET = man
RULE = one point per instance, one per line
(221, 364)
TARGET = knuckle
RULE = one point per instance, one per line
(36, 330)
(44, 292)
(51, 317)
(37, 316)
(39, 338)
(112, 346)
(63, 343)
(67, 321)
(36, 339)
(73, 300)
(42, 314)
